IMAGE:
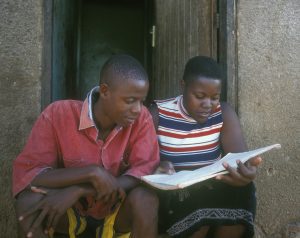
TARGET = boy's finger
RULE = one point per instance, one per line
(29, 211)
(56, 220)
(50, 220)
(121, 194)
(38, 190)
(37, 223)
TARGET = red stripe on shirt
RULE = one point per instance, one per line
(184, 136)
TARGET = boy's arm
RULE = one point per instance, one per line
(102, 181)
(44, 206)
(39, 161)
(144, 151)
(42, 203)
(35, 208)
(127, 182)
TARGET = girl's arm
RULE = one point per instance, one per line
(232, 140)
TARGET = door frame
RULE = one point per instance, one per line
(227, 50)
(46, 76)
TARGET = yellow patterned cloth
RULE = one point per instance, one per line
(78, 224)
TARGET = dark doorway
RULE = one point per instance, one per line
(163, 34)
(87, 32)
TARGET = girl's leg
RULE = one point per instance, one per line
(234, 231)
(201, 233)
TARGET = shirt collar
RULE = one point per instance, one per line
(182, 109)
(86, 116)
(184, 112)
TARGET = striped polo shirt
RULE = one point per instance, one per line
(185, 142)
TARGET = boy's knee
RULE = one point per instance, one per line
(143, 198)
(139, 208)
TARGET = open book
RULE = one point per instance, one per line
(186, 178)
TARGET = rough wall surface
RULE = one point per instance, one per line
(268, 105)
(20, 60)
(268, 73)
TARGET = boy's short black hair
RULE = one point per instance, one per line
(202, 66)
(125, 67)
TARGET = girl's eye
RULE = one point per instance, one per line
(199, 96)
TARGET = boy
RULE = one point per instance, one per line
(82, 158)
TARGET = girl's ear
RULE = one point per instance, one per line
(182, 84)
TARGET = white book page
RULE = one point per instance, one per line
(187, 178)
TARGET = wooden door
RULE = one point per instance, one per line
(184, 28)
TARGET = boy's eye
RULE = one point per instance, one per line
(129, 100)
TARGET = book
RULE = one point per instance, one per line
(186, 178)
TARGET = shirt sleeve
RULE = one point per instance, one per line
(39, 154)
(144, 153)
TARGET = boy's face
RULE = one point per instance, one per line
(124, 100)
(201, 96)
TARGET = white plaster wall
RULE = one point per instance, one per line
(20, 91)
(269, 105)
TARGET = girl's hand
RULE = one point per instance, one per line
(165, 167)
(244, 174)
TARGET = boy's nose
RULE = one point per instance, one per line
(137, 108)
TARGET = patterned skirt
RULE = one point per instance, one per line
(210, 203)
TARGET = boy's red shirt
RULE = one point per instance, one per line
(65, 136)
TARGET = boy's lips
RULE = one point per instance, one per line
(130, 119)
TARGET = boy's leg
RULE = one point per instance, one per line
(138, 214)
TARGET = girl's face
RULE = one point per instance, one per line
(201, 96)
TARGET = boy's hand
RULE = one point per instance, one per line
(165, 167)
(244, 174)
(51, 207)
(106, 186)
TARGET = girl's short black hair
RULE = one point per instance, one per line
(202, 66)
